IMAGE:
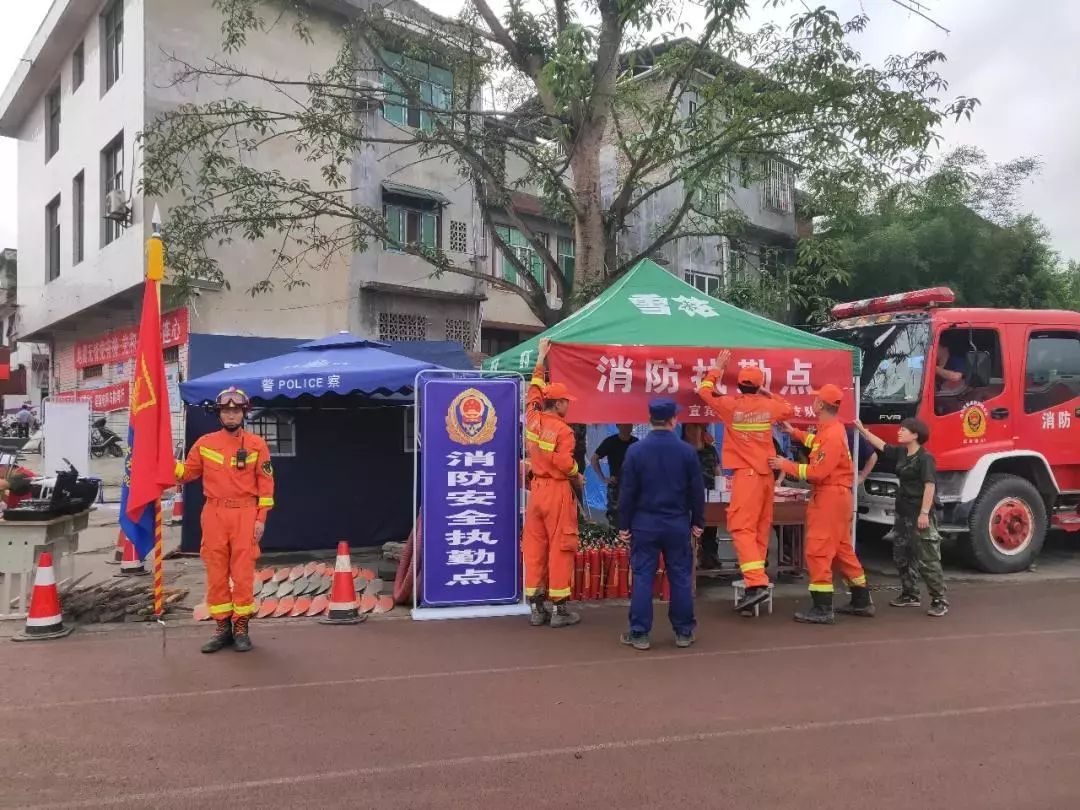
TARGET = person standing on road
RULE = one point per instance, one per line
(613, 448)
(238, 481)
(662, 504)
(550, 534)
(916, 542)
(830, 511)
(748, 446)
(23, 419)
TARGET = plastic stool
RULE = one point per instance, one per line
(740, 589)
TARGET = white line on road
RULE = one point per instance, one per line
(622, 662)
(151, 798)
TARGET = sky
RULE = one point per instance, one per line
(1017, 58)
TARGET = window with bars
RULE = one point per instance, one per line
(461, 330)
(459, 237)
(278, 430)
(708, 201)
(777, 187)
(433, 84)
(52, 122)
(52, 239)
(171, 354)
(402, 326)
(524, 252)
(409, 226)
(93, 372)
(736, 262)
(112, 179)
(112, 42)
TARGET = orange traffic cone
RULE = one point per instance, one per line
(45, 619)
(343, 606)
(130, 564)
(118, 550)
(177, 516)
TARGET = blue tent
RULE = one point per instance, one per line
(340, 365)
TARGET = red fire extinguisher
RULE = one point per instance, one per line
(579, 575)
(622, 560)
(611, 573)
(596, 574)
(586, 575)
(658, 580)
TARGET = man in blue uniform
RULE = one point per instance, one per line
(661, 504)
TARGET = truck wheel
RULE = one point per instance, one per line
(1008, 525)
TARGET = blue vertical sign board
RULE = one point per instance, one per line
(469, 492)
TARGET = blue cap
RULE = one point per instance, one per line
(662, 408)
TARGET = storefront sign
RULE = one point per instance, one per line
(118, 346)
(615, 383)
(469, 492)
(102, 400)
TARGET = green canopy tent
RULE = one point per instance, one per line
(651, 334)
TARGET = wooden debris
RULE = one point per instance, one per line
(119, 600)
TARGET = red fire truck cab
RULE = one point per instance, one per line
(1000, 391)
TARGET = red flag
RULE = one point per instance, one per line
(152, 462)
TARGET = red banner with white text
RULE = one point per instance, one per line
(119, 345)
(102, 400)
(615, 383)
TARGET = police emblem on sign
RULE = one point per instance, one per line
(471, 418)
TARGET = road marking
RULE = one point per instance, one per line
(621, 661)
(150, 798)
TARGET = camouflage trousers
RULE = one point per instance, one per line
(917, 553)
(612, 512)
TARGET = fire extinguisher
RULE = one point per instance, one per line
(611, 573)
(665, 588)
(658, 580)
(622, 561)
(586, 576)
(596, 574)
(579, 575)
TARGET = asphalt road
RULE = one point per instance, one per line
(977, 710)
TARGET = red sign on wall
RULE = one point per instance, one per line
(102, 400)
(115, 347)
(615, 383)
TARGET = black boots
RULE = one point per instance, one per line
(241, 639)
(751, 597)
(860, 605)
(538, 614)
(563, 616)
(222, 638)
(821, 612)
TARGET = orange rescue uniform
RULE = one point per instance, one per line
(550, 534)
(828, 516)
(235, 500)
(748, 446)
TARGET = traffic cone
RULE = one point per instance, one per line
(177, 516)
(343, 605)
(130, 564)
(45, 619)
(118, 551)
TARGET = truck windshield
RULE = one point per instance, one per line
(893, 358)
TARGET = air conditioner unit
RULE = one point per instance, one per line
(116, 206)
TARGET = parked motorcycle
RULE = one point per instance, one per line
(104, 441)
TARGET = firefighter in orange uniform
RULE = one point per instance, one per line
(238, 482)
(828, 517)
(550, 535)
(748, 418)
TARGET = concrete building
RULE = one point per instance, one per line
(28, 363)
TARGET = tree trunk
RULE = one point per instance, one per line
(590, 246)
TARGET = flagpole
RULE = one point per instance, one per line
(155, 272)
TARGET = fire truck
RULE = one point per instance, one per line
(1000, 391)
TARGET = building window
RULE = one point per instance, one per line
(171, 354)
(1052, 376)
(52, 122)
(52, 239)
(78, 218)
(78, 67)
(112, 42)
(777, 187)
(525, 253)
(93, 372)
(279, 431)
(497, 341)
(566, 259)
(433, 84)
(459, 237)
(708, 201)
(402, 326)
(736, 262)
(705, 282)
(461, 330)
(411, 226)
(112, 179)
